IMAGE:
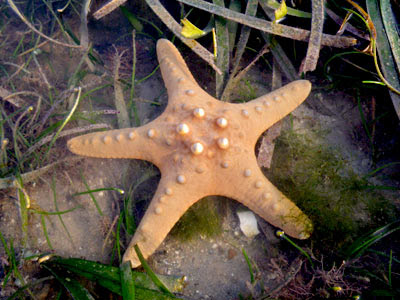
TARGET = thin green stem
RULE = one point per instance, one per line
(74, 107)
(281, 234)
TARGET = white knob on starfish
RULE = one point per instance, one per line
(197, 148)
(198, 112)
(223, 143)
(182, 129)
(222, 122)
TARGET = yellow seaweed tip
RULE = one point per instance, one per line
(190, 31)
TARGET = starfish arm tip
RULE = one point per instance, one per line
(120, 143)
(306, 85)
(174, 69)
(73, 145)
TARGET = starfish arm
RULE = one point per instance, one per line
(247, 184)
(171, 60)
(144, 143)
(171, 200)
(261, 113)
(179, 81)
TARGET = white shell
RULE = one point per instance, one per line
(248, 223)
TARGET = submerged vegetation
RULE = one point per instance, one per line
(201, 219)
(324, 184)
(59, 76)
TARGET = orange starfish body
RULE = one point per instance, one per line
(202, 147)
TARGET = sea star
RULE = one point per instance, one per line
(202, 147)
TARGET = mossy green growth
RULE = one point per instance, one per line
(320, 181)
(202, 219)
(244, 92)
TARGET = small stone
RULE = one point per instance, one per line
(231, 253)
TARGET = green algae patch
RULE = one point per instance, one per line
(321, 182)
(202, 219)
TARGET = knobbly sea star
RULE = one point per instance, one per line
(202, 147)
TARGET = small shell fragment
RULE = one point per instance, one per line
(248, 223)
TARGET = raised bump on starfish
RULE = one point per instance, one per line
(202, 147)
